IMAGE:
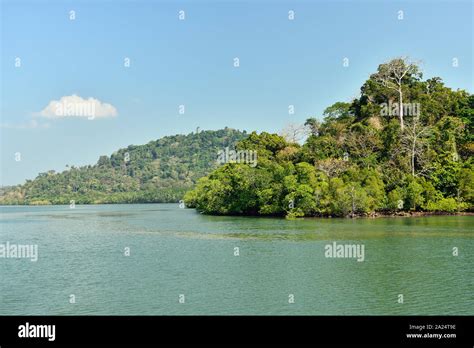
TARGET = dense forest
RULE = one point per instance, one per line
(404, 145)
(160, 171)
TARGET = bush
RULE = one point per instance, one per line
(444, 204)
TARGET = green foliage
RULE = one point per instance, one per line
(414, 195)
(443, 205)
(160, 171)
(358, 161)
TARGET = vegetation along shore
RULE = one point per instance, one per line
(403, 147)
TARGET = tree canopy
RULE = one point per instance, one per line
(160, 171)
(405, 144)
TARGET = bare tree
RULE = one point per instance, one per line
(414, 141)
(294, 133)
(392, 75)
(332, 167)
(364, 143)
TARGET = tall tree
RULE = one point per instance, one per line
(414, 142)
(394, 75)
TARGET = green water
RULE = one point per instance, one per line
(178, 251)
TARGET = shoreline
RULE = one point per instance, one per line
(372, 215)
(411, 214)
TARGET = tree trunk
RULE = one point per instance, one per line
(400, 107)
(413, 149)
(353, 203)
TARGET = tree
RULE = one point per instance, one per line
(313, 125)
(414, 194)
(294, 133)
(394, 75)
(332, 167)
(414, 142)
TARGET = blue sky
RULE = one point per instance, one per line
(175, 62)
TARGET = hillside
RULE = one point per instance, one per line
(160, 171)
(405, 145)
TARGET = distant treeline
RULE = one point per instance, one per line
(160, 171)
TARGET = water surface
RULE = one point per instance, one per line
(177, 251)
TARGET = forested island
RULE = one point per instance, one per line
(404, 145)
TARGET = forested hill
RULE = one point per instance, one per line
(406, 144)
(160, 171)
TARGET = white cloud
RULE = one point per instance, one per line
(75, 106)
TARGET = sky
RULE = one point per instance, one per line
(50, 55)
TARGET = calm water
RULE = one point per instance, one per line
(178, 251)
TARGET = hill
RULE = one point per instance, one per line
(405, 145)
(160, 171)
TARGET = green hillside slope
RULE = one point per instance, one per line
(160, 171)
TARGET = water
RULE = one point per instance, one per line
(178, 251)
